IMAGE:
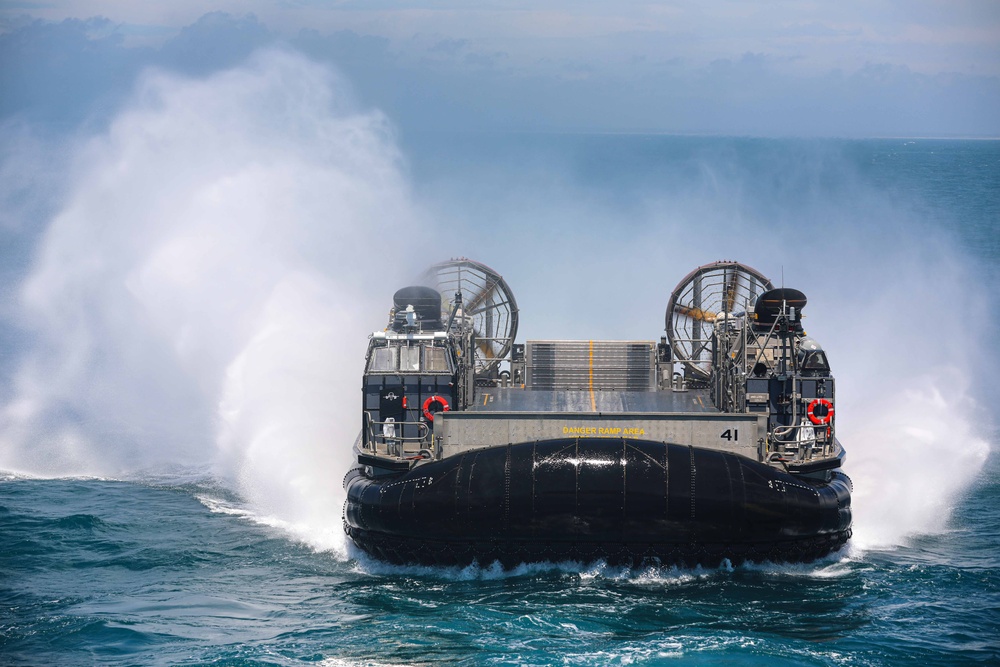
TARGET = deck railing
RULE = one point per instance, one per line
(385, 439)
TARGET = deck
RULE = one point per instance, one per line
(511, 399)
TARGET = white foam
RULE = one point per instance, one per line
(202, 295)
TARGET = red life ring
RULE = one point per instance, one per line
(825, 418)
(435, 399)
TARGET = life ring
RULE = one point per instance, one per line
(435, 399)
(826, 417)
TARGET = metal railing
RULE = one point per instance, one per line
(384, 438)
(799, 443)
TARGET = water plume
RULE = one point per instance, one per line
(900, 307)
(201, 294)
(906, 330)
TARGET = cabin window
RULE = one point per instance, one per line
(435, 360)
(816, 361)
(383, 360)
(409, 359)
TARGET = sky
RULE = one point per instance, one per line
(722, 67)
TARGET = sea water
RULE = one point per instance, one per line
(105, 572)
(184, 353)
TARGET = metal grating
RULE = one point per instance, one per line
(583, 364)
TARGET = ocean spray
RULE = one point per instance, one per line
(203, 295)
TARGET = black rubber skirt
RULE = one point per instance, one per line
(628, 502)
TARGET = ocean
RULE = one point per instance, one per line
(183, 355)
(152, 573)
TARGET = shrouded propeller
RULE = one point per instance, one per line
(488, 306)
(697, 302)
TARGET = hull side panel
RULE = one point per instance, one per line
(620, 500)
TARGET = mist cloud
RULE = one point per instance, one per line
(209, 213)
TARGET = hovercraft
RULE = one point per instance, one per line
(716, 442)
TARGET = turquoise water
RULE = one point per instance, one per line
(165, 565)
(144, 573)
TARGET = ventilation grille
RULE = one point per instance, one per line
(600, 365)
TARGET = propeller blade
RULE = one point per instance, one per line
(477, 300)
(486, 348)
(731, 278)
(696, 313)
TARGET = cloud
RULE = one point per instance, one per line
(815, 29)
(449, 47)
(673, 75)
(215, 41)
(62, 71)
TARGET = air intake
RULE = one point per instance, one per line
(603, 365)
